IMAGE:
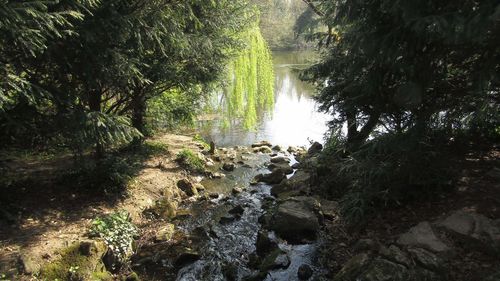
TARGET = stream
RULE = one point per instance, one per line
(222, 241)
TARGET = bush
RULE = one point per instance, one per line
(389, 169)
(189, 160)
(117, 231)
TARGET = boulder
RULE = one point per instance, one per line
(165, 233)
(280, 159)
(186, 257)
(426, 259)
(284, 167)
(329, 209)
(238, 210)
(277, 148)
(475, 230)
(274, 177)
(296, 219)
(363, 267)
(263, 149)
(276, 259)
(297, 184)
(316, 147)
(229, 167)
(265, 243)
(422, 235)
(304, 272)
(395, 254)
(261, 144)
(296, 165)
(236, 190)
(188, 187)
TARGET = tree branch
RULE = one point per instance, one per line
(314, 8)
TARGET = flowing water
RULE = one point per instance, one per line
(293, 120)
(225, 246)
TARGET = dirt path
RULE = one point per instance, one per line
(50, 217)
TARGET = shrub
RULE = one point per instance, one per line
(117, 231)
(189, 160)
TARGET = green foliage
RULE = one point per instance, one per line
(89, 73)
(250, 85)
(73, 265)
(405, 79)
(190, 160)
(117, 231)
(201, 140)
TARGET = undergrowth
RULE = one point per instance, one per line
(190, 160)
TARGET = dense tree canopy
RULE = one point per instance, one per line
(407, 78)
(85, 71)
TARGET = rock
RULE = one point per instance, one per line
(296, 165)
(366, 245)
(292, 149)
(295, 219)
(218, 175)
(329, 209)
(426, 259)
(236, 190)
(213, 195)
(28, 264)
(277, 148)
(199, 187)
(230, 271)
(274, 177)
(263, 149)
(238, 210)
(477, 231)
(165, 233)
(304, 272)
(188, 187)
(264, 243)
(316, 147)
(261, 144)
(296, 185)
(228, 219)
(229, 167)
(363, 267)
(280, 159)
(395, 254)
(185, 258)
(284, 167)
(276, 259)
(422, 235)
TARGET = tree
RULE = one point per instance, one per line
(406, 78)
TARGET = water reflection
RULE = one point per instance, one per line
(294, 118)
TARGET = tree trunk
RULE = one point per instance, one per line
(95, 99)
(138, 113)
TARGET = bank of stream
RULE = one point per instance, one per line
(230, 232)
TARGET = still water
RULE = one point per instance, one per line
(294, 119)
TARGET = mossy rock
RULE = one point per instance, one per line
(80, 261)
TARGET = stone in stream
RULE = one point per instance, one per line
(280, 159)
(304, 272)
(276, 259)
(238, 210)
(296, 185)
(274, 177)
(236, 190)
(263, 149)
(229, 218)
(188, 187)
(284, 167)
(186, 258)
(213, 195)
(264, 243)
(277, 148)
(261, 144)
(296, 219)
(296, 165)
(229, 167)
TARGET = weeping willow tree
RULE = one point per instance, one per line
(250, 85)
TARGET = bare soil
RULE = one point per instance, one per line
(40, 216)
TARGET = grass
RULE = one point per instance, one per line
(190, 160)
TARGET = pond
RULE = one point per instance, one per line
(293, 119)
